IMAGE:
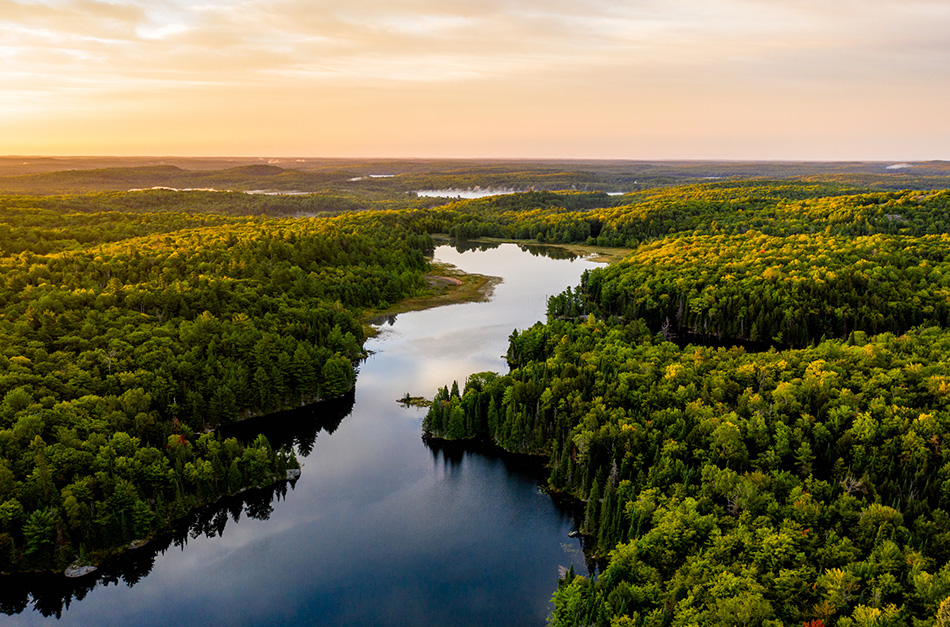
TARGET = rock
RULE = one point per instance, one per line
(78, 571)
(293, 474)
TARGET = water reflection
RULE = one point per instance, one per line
(452, 453)
(470, 193)
(450, 456)
(551, 252)
(50, 595)
(297, 428)
(464, 246)
(537, 250)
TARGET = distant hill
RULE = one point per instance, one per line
(70, 175)
(242, 178)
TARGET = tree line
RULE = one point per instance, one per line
(789, 290)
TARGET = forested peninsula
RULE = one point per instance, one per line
(131, 338)
(750, 406)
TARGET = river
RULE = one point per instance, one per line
(380, 529)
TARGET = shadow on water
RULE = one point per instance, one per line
(50, 594)
(537, 250)
(551, 252)
(296, 427)
(464, 246)
(452, 455)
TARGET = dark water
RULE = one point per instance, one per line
(380, 529)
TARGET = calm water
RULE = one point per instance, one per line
(380, 529)
(464, 193)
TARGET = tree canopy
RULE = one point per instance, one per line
(128, 336)
(797, 479)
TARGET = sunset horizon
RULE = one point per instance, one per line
(728, 80)
(288, 161)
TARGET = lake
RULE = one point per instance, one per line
(463, 193)
(380, 529)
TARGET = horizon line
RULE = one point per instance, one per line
(487, 159)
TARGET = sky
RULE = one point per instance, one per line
(610, 79)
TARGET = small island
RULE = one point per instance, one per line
(414, 401)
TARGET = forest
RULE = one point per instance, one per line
(129, 337)
(750, 407)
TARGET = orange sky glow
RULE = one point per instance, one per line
(641, 79)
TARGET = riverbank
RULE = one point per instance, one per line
(445, 285)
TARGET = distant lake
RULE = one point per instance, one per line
(265, 192)
(464, 193)
(380, 529)
(478, 193)
(371, 176)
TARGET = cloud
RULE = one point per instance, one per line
(672, 64)
(412, 40)
(74, 20)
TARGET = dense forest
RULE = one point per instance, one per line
(128, 337)
(805, 482)
(802, 483)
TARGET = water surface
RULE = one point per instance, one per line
(464, 193)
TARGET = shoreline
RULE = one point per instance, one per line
(448, 285)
